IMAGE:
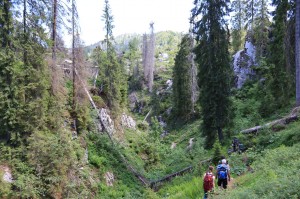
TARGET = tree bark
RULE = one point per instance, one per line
(151, 58)
(54, 27)
(145, 50)
(73, 53)
(297, 52)
(25, 32)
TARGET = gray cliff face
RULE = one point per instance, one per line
(243, 61)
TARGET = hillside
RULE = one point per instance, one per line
(144, 116)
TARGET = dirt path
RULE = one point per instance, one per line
(220, 193)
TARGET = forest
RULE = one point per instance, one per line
(145, 115)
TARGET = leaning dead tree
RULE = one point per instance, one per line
(148, 57)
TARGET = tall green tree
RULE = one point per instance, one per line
(182, 88)
(8, 105)
(261, 26)
(116, 86)
(215, 71)
(250, 11)
(23, 76)
(238, 24)
(281, 77)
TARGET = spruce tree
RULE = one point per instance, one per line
(8, 105)
(238, 23)
(182, 88)
(215, 71)
(280, 84)
(115, 82)
(261, 25)
(250, 11)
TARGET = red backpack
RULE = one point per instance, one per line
(208, 182)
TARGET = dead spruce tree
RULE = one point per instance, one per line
(148, 57)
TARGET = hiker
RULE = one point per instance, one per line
(208, 181)
(223, 174)
(235, 144)
(223, 158)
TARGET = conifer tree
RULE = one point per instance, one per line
(250, 11)
(281, 83)
(182, 88)
(215, 72)
(23, 83)
(115, 84)
(261, 25)
(238, 23)
(8, 104)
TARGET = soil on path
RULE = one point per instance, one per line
(220, 193)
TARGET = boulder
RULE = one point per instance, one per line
(7, 176)
(106, 121)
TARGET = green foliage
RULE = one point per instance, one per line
(182, 90)
(4, 187)
(114, 82)
(275, 176)
(54, 157)
(105, 157)
(156, 129)
(143, 126)
(215, 72)
(217, 153)
(238, 23)
(190, 188)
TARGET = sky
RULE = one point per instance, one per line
(133, 16)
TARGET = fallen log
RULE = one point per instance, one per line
(293, 116)
(167, 178)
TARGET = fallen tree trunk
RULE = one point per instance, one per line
(155, 184)
(293, 116)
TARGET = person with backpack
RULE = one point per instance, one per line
(208, 181)
(235, 144)
(223, 174)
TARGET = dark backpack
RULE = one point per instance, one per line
(222, 172)
(208, 182)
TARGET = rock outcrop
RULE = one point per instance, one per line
(106, 121)
(243, 61)
(128, 121)
(7, 176)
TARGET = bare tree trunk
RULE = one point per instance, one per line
(297, 52)
(193, 73)
(151, 58)
(24, 30)
(145, 56)
(73, 53)
(73, 68)
(54, 27)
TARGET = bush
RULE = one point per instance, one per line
(275, 175)
(99, 101)
(143, 125)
